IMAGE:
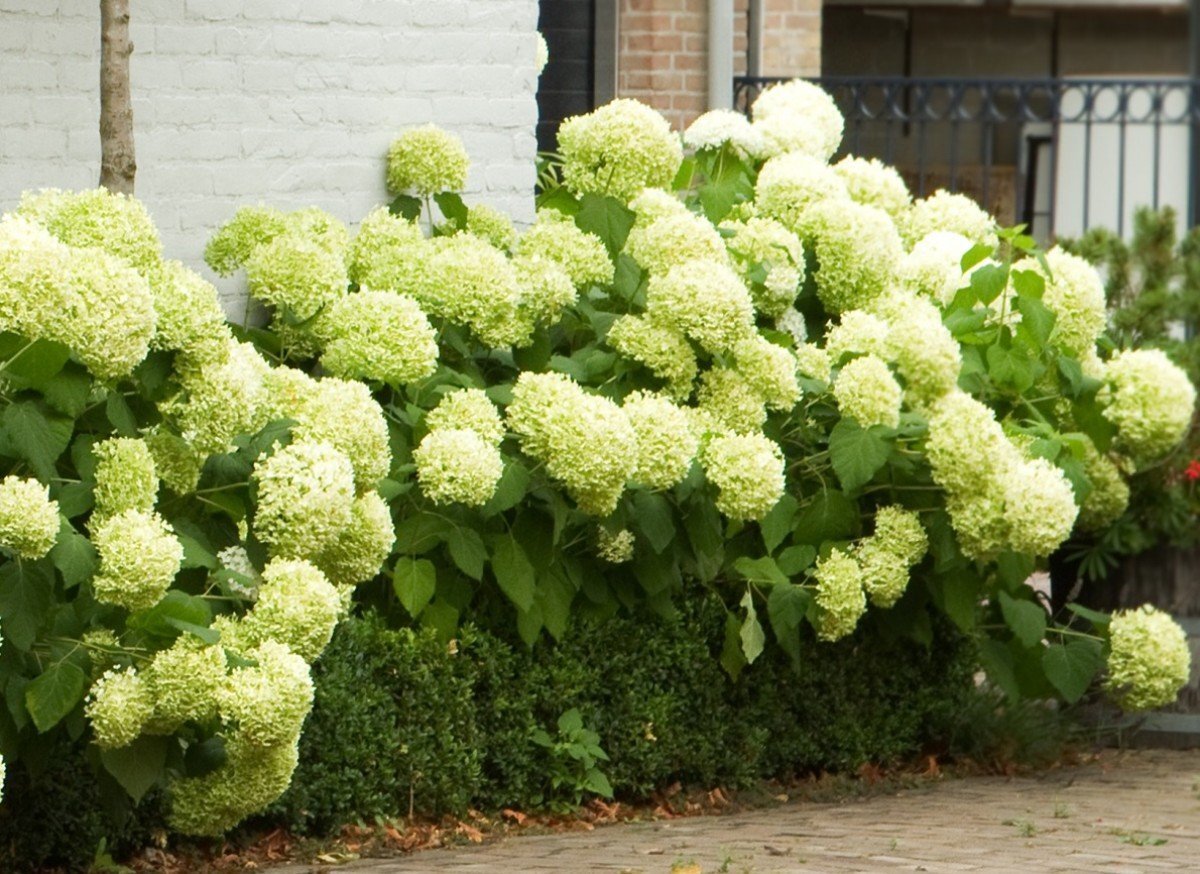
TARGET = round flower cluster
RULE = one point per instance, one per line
(190, 318)
(305, 496)
(813, 362)
(652, 204)
(220, 400)
(541, 53)
(857, 250)
(899, 543)
(139, 558)
(866, 391)
(491, 225)
(269, 700)
(547, 289)
(763, 243)
(789, 185)
(747, 470)
(184, 681)
(97, 218)
(177, 463)
(1109, 495)
(1149, 399)
(770, 370)
(934, 266)
(798, 116)
(296, 274)
(840, 598)
(857, 333)
(614, 548)
(673, 240)
(1149, 661)
(1075, 294)
(665, 442)
(378, 335)
(555, 237)
(661, 348)
(792, 323)
(618, 149)
(715, 128)
(119, 705)
(362, 546)
(467, 408)
(29, 522)
(943, 211)
(729, 401)
(296, 605)
(471, 283)
(705, 301)
(873, 183)
(125, 476)
(924, 351)
(1039, 507)
(427, 160)
(251, 226)
(380, 235)
(459, 459)
(586, 441)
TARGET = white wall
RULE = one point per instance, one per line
(288, 102)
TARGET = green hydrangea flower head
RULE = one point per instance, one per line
(344, 414)
(230, 247)
(97, 218)
(427, 160)
(748, 471)
(1039, 507)
(362, 546)
(718, 127)
(705, 301)
(798, 116)
(1149, 399)
(381, 235)
(674, 240)
(614, 547)
(184, 681)
(139, 558)
(761, 243)
(1149, 660)
(190, 319)
(943, 211)
(618, 149)
(789, 185)
(468, 408)
(555, 237)
(296, 606)
(666, 445)
(730, 401)
(125, 476)
(305, 498)
(176, 462)
(872, 183)
(296, 274)
(857, 250)
(1109, 496)
(119, 705)
(662, 349)
(866, 391)
(378, 336)
(933, 267)
(1075, 294)
(29, 520)
(857, 333)
(458, 465)
(492, 225)
(840, 598)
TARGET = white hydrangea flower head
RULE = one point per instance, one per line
(652, 204)
(934, 266)
(1075, 294)
(541, 53)
(866, 391)
(296, 606)
(139, 558)
(126, 478)
(236, 560)
(872, 183)
(748, 471)
(1149, 661)
(474, 284)
(979, 524)
(96, 217)
(268, 701)
(666, 445)
(813, 362)
(220, 400)
(297, 274)
(33, 277)
(807, 104)
(344, 414)
(730, 401)
(770, 370)
(1109, 496)
(458, 465)
(840, 597)
(546, 289)
(305, 498)
(467, 408)
(586, 441)
(490, 224)
(715, 128)
(327, 231)
(379, 235)
(251, 226)
(765, 243)
(618, 149)
(857, 333)
(944, 211)
(29, 521)
(705, 301)
(184, 680)
(190, 318)
(661, 348)
(1149, 399)
(379, 336)
(791, 322)
(668, 242)
(614, 548)
(362, 546)
(966, 446)
(790, 184)
(177, 463)
(857, 249)
(1039, 507)
(899, 543)
(427, 160)
(555, 236)
(921, 346)
(119, 705)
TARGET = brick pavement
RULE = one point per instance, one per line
(1131, 812)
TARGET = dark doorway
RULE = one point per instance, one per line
(567, 85)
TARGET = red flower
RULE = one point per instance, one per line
(1193, 470)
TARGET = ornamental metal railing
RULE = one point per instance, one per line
(1061, 155)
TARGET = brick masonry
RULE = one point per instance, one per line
(289, 102)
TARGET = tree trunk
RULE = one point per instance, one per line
(117, 164)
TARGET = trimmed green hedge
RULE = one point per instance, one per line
(400, 716)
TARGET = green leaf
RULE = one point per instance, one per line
(1091, 421)
(529, 625)
(442, 618)
(1037, 320)
(1071, 667)
(120, 415)
(777, 524)
(988, 281)
(138, 766)
(415, 580)
(73, 555)
(514, 573)
(37, 434)
(795, 559)
(209, 635)
(452, 207)
(607, 218)
(1014, 568)
(975, 255)
(26, 592)
(54, 694)
(761, 570)
(33, 363)
(597, 783)
(628, 278)
(733, 660)
(706, 535)
(467, 551)
(514, 482)
(858, 453)
(1010, 365)
(957, 593)
(654, 518)
(1100, 620)
(1072, 372)
(162, 619)
(656, 572)
(420, 533)
(406, 206)
(997, 662)
(68, 391)
(751, 633)
(554, 595)
(203, 757)
(1025, 619)
(829, 515)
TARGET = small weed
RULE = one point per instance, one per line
(1061, 811)
(1138, 839)
(1024, 827)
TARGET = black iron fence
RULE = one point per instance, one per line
(1061, 155)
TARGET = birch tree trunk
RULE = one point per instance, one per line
(117, 164)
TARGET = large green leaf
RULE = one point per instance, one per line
(997, 662)
(31, 363)
(73, 555)
(828, 515)
(54, 694)
(138, 766)
(751, 632)
(554, 595)
(988, 280)
(607, 218)
(514, 573)
(761, 570)
(654, 518)
(1037, 321)
(957, 592)
(415, 580)
(1071, 667)
(514, 482)
(778, 523)
(1011, 365)
(467, 551)
(1025, 619)
(858, 453)
(162, 620)
(37, 434)
(26, 592)
(420, 533)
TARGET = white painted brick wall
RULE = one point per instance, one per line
(287, 102)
